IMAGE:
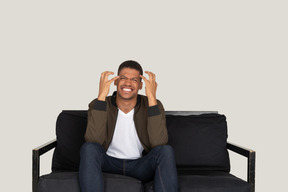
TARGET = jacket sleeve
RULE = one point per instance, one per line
(96, 122)
(157, 129)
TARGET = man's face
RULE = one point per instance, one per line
(128, 83)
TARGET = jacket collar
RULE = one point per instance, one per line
(113, 99)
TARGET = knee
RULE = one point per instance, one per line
(91, 149)
(165, 150)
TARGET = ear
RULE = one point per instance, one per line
(116, 82)
(140, 86)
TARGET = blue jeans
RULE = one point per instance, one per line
(159, 164)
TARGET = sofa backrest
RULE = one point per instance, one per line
(199, 141)
(70, 130)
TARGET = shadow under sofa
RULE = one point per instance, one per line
(199, 140)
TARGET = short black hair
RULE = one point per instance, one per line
(132, 65)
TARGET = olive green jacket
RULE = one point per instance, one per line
(150, 122)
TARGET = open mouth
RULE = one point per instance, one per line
(127, 89)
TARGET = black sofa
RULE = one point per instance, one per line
(199, 140)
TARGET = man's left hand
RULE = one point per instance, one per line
(150, 88)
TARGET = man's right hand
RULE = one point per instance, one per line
(104, 85)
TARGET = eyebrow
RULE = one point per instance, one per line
(130, 78)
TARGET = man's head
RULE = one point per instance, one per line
(132, 65)
(129, 82)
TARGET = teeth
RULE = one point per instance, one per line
(127, 89)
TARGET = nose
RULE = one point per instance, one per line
(128, 81)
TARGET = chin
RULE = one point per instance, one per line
(127, 97)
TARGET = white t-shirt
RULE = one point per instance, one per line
(125, 142)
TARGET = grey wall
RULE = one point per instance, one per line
(208, 55)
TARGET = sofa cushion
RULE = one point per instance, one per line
(68, 181)
(199, 141)
(207, 181)
(59, 182)
(70, 130)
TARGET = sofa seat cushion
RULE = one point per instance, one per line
(208, 181)
(68, 181)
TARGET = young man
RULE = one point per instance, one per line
(126, 133)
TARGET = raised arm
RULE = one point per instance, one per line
(97, 114)
(157, 129)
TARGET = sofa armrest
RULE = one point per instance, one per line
(251, 155)
(36, 153)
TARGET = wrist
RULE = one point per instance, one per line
(101, 98)
(152, 101)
